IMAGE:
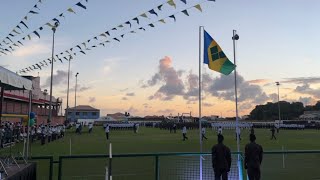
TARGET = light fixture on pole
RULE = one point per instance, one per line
(45, 93)
(54, 28)
(278, 84)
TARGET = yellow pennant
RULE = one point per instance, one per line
(120, 26)
(71, 10)
(50, 25)
(171, 3)
(144, 15)
(103, 35)
(15, 31)
(26, 17)
(198, 7)
(29, 36)
(162, 20)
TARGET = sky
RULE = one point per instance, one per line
(155, 72)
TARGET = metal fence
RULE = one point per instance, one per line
(175, 166)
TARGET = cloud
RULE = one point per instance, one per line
(274, 97)
(132, 110)
(259, 81)
(302, 80)
(192, 85)
(61, 77)
(92, 99)
(307, 100)
(80, 88)
(123, 90)
(32, 50)
(207, 104)
(170, 80)
(306, 89)
(166, 111)
(130, 94)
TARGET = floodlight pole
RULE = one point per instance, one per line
(67, 109)
(75, 91)
(54, 28)
(278, 84)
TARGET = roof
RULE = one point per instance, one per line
(84, 108)
(12, 81)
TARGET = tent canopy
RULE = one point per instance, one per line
(12, 81)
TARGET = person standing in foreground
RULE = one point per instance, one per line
(107, 130)
(253, 158)
(184, 133)
(221, 159)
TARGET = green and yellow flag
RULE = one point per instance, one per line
(215, 57)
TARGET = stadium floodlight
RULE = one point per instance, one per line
(278, 84)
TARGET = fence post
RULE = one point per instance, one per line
(157, 167)
(51, 168)
(283, 162)
(60, 168)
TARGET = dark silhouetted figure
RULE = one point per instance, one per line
(253, 159)
(252, 130)
(272, 133)
(221, 159)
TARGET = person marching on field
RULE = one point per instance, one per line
(107, 130)
(90, 127)
(184, 133)
(174, 128)
(272, 133)
(253, 158)
(220, 130)
(203, 133)
(221, 159)
(238, 133)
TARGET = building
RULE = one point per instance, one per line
(16, 103)
(310, 115)
(116, 117)
(83, 112)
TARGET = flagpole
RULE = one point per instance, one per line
(200, 139)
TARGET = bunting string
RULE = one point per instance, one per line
(101, 40)
(12, 46)
(21, 26)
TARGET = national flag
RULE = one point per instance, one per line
(215, 57)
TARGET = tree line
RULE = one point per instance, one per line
(289, 111)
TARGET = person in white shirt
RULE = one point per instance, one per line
(238, 133)
(107, 130)
(184, 133)
(203, 133)
(220, 130)
(90, 127)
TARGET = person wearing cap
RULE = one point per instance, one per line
(253, 158)
(221, 159)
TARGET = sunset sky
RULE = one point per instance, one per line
(155, 72)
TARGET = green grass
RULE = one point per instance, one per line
(149, 140)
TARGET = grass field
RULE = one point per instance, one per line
(149, 140)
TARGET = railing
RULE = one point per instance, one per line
(276, 165)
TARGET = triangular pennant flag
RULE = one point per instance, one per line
(84, 44)
(33, 12)
(142, 28)
(15, 44)
(39, 66)
(102, 34)
(160, 7)
(41, 28)
(172, 16)
(11, 48)
(171, 3)
(61, 15)
(55, 19)
(116, 39)
(114, 29)
(94, 46)
(16, 31)
(36, 6)
(19, 27)
(128, 22)
(9, 39)
(185, 12)
(61, 53)
(96, 38)
(120, 26)
(88, 40)
(71, 49)
(49, 24)
(82, 52)
(81, 5)
(36, 33)
(65, 58)
(102, 44)
(20, 43)
(153, 12)
(107, 32)
(122, 35)
(79, 47)
(144, 15)
(24, 38)
(184, 1)
(24, 24)
(60, 60)
(11, 35)
(162, 20)
(198, 7)
(71, 10)
(132, 32)
(26, 18)
(136, 19)
(107, 41)
(151, 25)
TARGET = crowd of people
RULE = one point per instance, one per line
(11, 133)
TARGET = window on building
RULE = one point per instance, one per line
(85, 113)
(69, 113)
(77, 113)
(94, 113)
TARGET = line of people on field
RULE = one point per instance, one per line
(107, 128)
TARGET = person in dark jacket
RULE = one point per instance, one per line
(272, 133)
(253, 158)
(252, 130)
(221, 159)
